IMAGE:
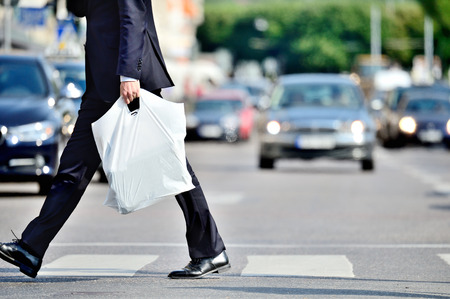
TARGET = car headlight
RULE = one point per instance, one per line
(273, 127)
(51, 102)
(34, 132)
(407, 125)
(448, 127)
(357, 127)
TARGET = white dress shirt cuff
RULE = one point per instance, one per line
(125, 79)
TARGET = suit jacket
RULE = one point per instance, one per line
(121, 40)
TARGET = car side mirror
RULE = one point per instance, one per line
(71, 91)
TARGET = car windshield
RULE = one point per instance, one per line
(225, 106)
(73, 74)
(316, 95)
(428, 106)
(21, 78)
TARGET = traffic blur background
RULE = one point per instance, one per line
(302, 79)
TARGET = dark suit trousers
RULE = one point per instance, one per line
(79, 162)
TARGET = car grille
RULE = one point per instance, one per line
(314, 126)
(313, 130)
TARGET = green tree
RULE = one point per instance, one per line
(309, 36)
(439, 10)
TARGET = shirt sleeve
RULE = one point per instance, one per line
(127, 79)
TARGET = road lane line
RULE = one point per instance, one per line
(438, 184)
(298, 265)
(96, 265)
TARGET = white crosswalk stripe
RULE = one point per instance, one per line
(258, 265)
(298, 265)
(97, 265)
(445, 257)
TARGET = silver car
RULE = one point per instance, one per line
(317, 115)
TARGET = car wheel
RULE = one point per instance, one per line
(386, 143)
(367, 165)
(390, 143)
(447, 145)
(266, 163)
(44, 186)
(394, 143)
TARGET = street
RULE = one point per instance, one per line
(307, 229)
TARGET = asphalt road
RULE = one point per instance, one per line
(307, 229)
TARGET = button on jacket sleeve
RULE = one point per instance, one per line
(132, 34)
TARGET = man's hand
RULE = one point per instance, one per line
(129, 90)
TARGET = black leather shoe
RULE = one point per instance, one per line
(15, 254)
(200, 267)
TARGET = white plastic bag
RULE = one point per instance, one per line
(143, 152)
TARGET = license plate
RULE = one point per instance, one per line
(210, 131)
(432, 136)
(316, 142)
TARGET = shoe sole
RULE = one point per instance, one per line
(23, 268)
(222, 269)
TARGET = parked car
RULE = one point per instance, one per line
(32, 113)
(423, 118)
(221, 114)
(389, 132)
(316, 115)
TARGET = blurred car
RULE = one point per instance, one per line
(388, 131)
(32, 116)
(316, 115)
(72, 73)
(257, 90)
(221, 114)
(423, 118)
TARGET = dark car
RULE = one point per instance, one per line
(221, 114)
(32, 112)
(423, 118)
(317, 115)
(72, 73)
(388, 131)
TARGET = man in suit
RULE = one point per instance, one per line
(122, 56)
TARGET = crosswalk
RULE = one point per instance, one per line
(76, 265)
(298, 265)
(97, 265)
(445, 257)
